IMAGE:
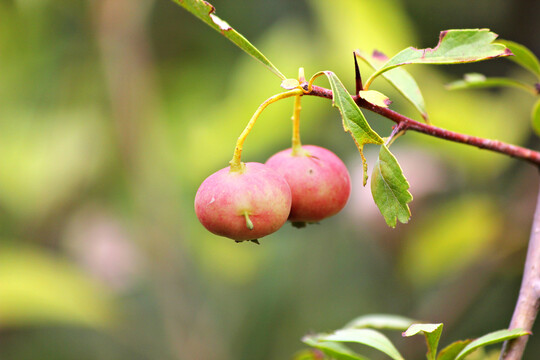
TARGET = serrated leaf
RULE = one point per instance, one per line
(535, 117)
(335, 350)
(381, 321)
(475, 80)
(399, 78)
(366, 337)
(523, 56)
(450, 352)
(375, 97)
(432, 332)
(206, 12)
(390, 189)
(491, 338)
(354, 121)
(454, 47)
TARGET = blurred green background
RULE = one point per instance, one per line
(112, 112)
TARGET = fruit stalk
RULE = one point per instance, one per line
(236, 163)
(296, 143)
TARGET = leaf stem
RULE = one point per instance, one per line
(528, 301)
(236, 163)
(397, 131)
(482, 143)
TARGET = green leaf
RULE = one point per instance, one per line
(491, 338)
(454, 47)
(535, 116)
(375, 97)
(523, 56)
(354, 121)
(400, 79)
(450, 352)
(475, 80)
(366, 337)
(381, 321)
(333, 349)
(205, 11)
(432, 332)
(390, 189)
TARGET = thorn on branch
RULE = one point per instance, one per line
(357, 76)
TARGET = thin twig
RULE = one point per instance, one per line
(528, 301)
(482, 143)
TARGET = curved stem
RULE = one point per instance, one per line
(482, 143)
(528, 301)
(236, 163)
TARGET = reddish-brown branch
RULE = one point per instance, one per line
(529, 297)
(410, 124)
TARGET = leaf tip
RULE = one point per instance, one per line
(508, 52)
(379, 55)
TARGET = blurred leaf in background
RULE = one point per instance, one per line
(111, 114)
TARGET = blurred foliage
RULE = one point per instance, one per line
(113, 112)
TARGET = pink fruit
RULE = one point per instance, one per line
(243, 205)
(319, 181)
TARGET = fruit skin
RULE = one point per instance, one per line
(320, 182)
(259, 191)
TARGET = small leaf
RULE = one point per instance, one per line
(475, 80)
(354, 121)
(491, 338)
(366, 337)
(399, 79)
(375, 97)
(289, 84)
(390, 189)
(205, 11)
(523, 56)
(432, 332)
(535, 116)
(454, 47)
(381, 321)
(333, 349)
(450, 352)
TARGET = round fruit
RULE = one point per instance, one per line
(243, 205)
(319, 181)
